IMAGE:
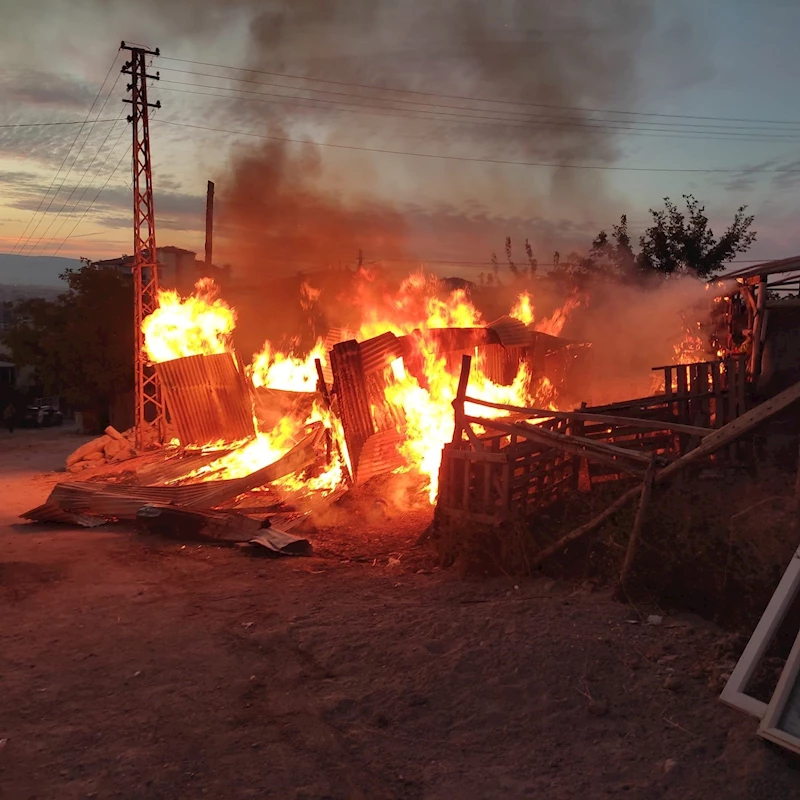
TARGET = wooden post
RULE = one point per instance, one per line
(641, 512)
(461, 393)
(209, 222)
(761, 307)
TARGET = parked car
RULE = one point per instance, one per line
(42, 417)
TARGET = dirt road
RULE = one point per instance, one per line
(132, 667)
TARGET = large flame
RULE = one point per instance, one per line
(274, 369)
(200, 324)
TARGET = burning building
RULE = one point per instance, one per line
(381, 394)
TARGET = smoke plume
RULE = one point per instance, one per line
(314, 206)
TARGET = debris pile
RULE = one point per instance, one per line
(112, 447)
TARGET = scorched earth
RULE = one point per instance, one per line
(136, 667)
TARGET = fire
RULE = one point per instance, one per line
(200, 324)
(554, 324)
(416, 306)
(273, 369)
(523, 309)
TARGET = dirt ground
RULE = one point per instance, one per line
(135, 667)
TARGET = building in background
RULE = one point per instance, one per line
(178, 269)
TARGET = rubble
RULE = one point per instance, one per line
(112, 447)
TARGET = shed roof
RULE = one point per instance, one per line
(767, 268)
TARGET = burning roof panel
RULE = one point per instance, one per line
(207, 398)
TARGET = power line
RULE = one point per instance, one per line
(44, 124)
(601, 167)
(69, 172)
(482, 121)
(89, 185)
(103, 187)
(525, 116)
(94, 200)
(55, 177)
(372, 87)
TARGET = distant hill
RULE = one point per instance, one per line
(34, 270)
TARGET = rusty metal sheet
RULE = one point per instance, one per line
(511, 332)
(272, 405)
(350, 387)
(115, 501)
(380, 455)
(208, 398)
(500, 364)
(334, 337)
(176, 466)
(48, 512)
(379, 352)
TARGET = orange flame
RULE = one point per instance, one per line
(523, 309)
(200, 324)
(276, 370)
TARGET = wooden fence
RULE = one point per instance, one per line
(498, 469)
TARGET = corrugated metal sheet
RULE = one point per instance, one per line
(271, 405)
(380, 455)
(352, 396)
(333, 337)
(115, 501)
(208, 398)
(500, 364)
(176, 466)
(511, 332)
(379, 352)
(49, 512)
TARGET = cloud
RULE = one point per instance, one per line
(52, 90)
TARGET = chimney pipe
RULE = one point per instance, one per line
(209, 222)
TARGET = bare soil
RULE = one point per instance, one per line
(136, 667)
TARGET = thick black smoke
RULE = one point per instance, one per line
(546, 60)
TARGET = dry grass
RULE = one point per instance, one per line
(714, 546)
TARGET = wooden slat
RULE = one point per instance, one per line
(607, 419)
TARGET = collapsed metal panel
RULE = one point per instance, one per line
(208, 398)
(350, 387)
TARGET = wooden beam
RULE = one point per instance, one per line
(461, 393)
(710, 444)
(584, 416)
(733, 430)
(641, 512)
(617, 457)
(761, 306)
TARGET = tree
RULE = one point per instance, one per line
(509, 257)
(495, 268)
(533, 264)
(81, 344)
(678, 243)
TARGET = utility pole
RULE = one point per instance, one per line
(209, 222)
(148, 403)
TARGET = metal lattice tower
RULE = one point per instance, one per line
(148, 402)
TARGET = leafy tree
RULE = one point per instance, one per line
(80, 344)
(681, 243)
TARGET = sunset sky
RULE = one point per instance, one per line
(581, 86)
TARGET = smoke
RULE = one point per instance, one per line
(277, 222)
(313, 206)
(633, 328)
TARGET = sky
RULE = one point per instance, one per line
(604, 107)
